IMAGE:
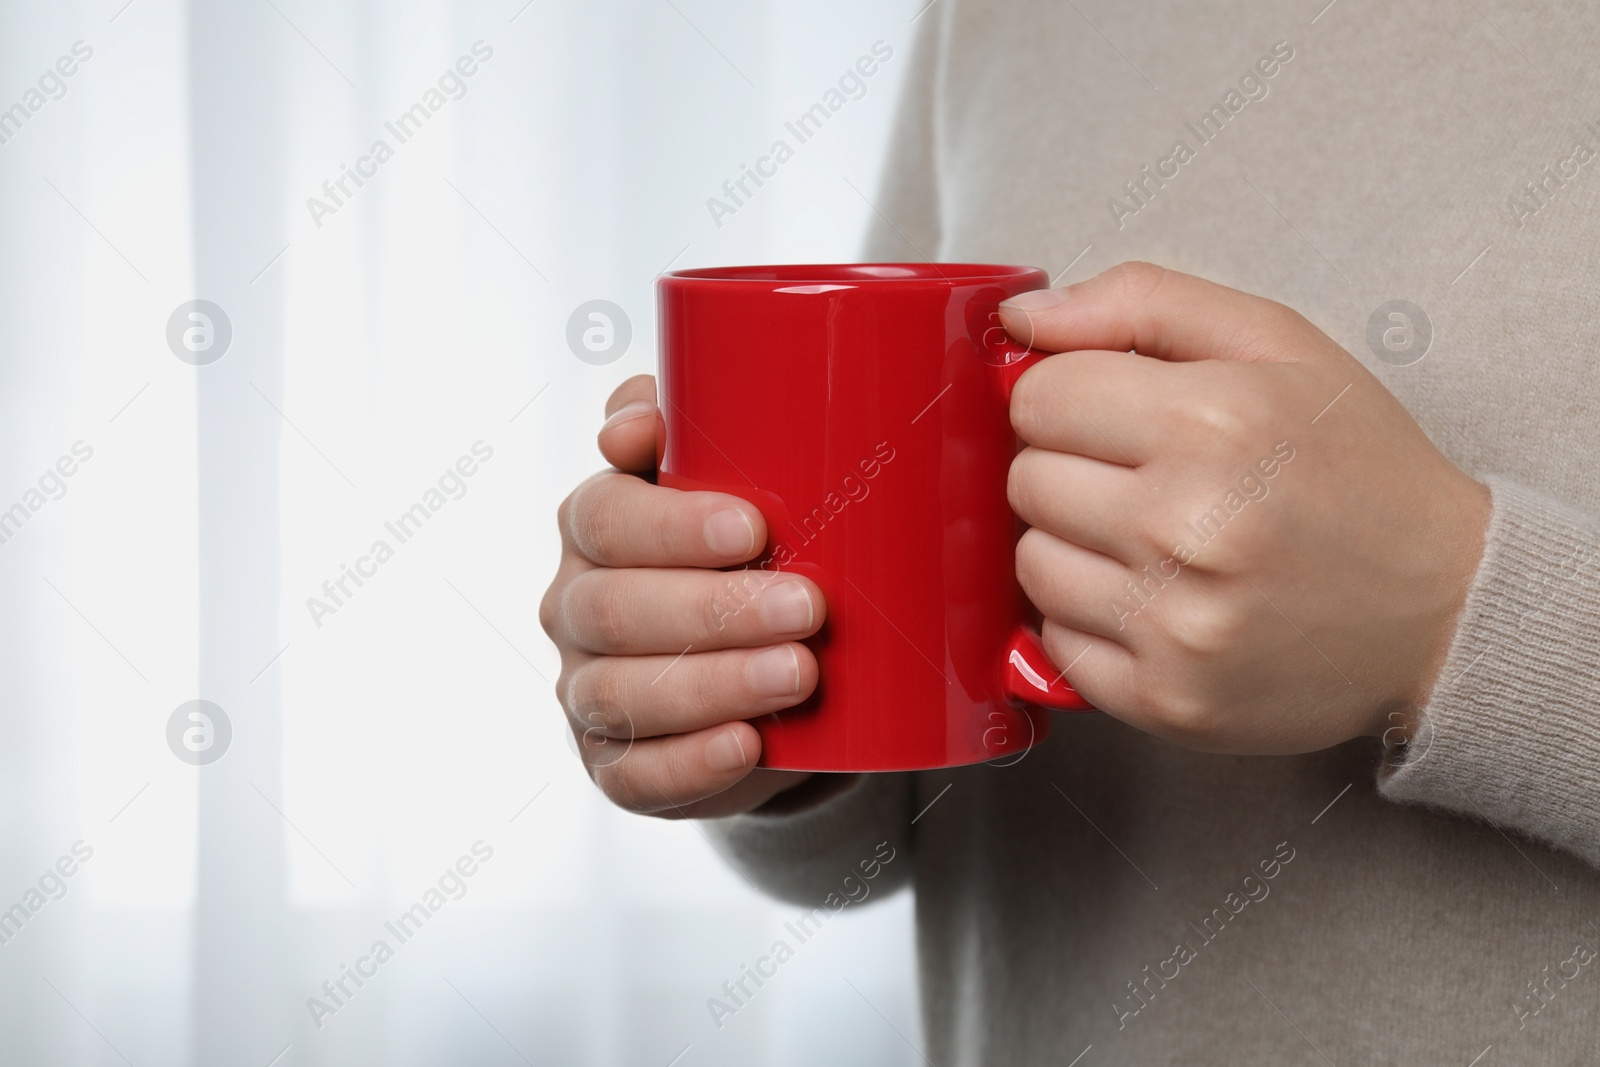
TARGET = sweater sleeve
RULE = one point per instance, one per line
(803, 856)
(1511, 732)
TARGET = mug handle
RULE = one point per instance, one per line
(1028, 675)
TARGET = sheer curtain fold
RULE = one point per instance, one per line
(337, 531)
(97, 539)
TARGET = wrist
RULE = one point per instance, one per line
(1458, 552)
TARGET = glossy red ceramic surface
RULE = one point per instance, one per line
(863, 409)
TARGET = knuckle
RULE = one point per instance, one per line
(1230, 533)
(1183, 716)
(1256, 409)
(1211, 544)
(622, 787)
(1136, 278)
(1232, 398)
(1219, 417)
(678, 781)
(592, 516)
(564, 516)
(598, 699)
(1205, 627)
(550, 612)
(1146, 530)
(565, 611)
(1218, 558)
(1287, 323)
(1159, 552)
(1246, 546)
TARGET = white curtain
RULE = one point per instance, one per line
(394, 371)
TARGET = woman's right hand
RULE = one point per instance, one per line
(663, 656)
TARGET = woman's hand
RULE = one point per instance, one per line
(1240, 540)
(662, 655)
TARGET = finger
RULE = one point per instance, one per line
(665, 611)
(667, 774)
(1154, 311)
(1102, 671)
(748, 793)
(618, 520)
(1107, 405)
(550, 618)
(639, 387)
(628, 438)
(1085, 501)
(635, 697)
(1075, 587)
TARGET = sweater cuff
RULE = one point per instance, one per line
(1510, 733)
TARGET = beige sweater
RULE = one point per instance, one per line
(1347, 907)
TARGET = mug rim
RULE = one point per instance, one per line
(849, 274)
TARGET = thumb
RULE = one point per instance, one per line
(1143, 308)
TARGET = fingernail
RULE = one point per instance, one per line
(786, 609)
(1035, 300)
(775, 673)
(726, 753)
(628, 412)
(730, 533)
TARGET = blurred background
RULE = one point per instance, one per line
(189, 484)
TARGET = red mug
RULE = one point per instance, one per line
(863, 408)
